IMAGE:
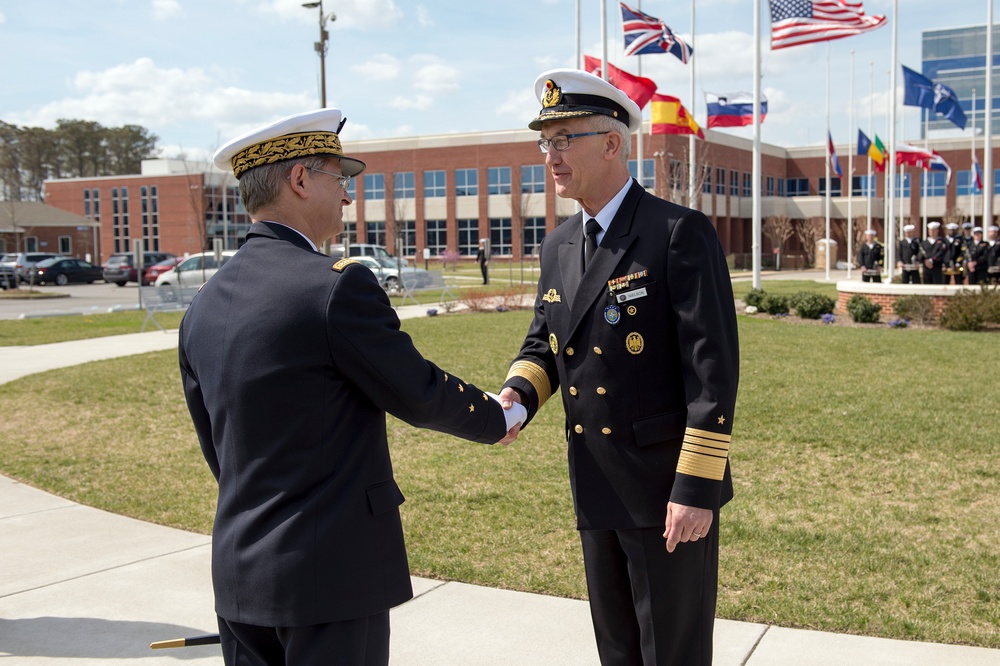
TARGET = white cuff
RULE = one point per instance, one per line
(516, 414)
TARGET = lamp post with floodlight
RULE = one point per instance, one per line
(321, 46)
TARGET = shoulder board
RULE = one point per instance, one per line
(342, 264)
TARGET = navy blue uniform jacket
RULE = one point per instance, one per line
(649, 390)
(289, 365)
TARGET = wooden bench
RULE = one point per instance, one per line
(168, 298)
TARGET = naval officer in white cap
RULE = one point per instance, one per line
(290, 361)
(634, 319)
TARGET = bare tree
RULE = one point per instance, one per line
(954, 215)
(675, 168)
(778, 229)
(809, 232)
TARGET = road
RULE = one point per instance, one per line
(80, 299)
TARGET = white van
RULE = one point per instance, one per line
(195, 270)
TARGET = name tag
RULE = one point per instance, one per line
(631, 295)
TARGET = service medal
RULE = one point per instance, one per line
(553, 343)
(612, 314)
(634, 343)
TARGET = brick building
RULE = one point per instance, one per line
(27, 226)
(445, 192)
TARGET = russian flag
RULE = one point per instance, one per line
(978, 173)
(732, 109)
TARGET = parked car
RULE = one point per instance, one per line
(388, 276)
(23, 262)
(119, 269)
(364, 250)
(8, 276)
(195, 270)
(159, 268)
(63, 270)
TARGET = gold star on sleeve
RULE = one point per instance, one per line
(485, 397)
(722, 420)
(461, 389)
(472, 408)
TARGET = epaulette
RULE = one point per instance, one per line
(343, 263)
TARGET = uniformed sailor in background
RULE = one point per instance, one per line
(635, 321)
(993, 255)
(290, 361)
(977, 258)
(955, 255)
(909, 261)
(871, 258)
(934, 252)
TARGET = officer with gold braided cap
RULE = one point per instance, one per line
(635, 321)
(289, 362)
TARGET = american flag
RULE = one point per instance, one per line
(648, 34)
(795, 22)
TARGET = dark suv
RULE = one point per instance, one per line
(119, 269)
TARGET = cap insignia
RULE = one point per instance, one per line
(291, 146)
(553, 94)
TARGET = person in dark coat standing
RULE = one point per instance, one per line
(934, 251)
(482, 257)
(993, 255)
(977, 258)
(909, 261)
(635, 321)
(289, 361)
(871, 258)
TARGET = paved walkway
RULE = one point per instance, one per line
(82, 586)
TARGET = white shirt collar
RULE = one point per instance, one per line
(311, 244)
(607, 214)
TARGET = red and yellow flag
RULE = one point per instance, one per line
(670, 117)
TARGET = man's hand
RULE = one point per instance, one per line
(507, 398)
(511, 435)
(685, 523)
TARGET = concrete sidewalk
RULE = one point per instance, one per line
(79, 585)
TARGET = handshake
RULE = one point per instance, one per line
(513, 411)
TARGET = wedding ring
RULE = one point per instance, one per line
(697, 534)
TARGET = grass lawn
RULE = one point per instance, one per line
(866, 490)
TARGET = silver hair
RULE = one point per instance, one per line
(602, 123)
(260, 186)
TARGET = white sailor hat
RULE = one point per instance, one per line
(994, 227)
(951, 225)
(933, 225)
(977, 230)
(299, 135)
(571, 93)
(871, 232)
(908, 227)
(967, 225)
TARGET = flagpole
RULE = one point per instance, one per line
(755, 183)
(870, 185)
(988, 122)
(829, 156)
(924, 176)
(604, 40)
(850, 176)
(891, 250)
(579, 52)
(639, 171)
(972, 165)
(692, 162)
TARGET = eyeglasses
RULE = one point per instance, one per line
(345, 181)
(560, 142)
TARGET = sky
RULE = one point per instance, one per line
(197, 73)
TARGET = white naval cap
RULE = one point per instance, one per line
(572, 93)
(994, 227)
(977, 230)
(933, 225)
(951, 225)
(871, 232)
(300, 135)
(908, 227)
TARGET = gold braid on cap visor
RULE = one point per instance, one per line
(286, 147)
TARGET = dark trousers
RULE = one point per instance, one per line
(651, 607)
(933, 275)
(911, 277)
(363, 642)
(870, 278)
(485, 271)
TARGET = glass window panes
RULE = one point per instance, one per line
(435, 184)
(720, 181)
(466, 182)
(437, 236)
(903, 191)
(402, 185)
(734, 183)
(375, 233)
(796, 187)
(747, 185)
(834, 187)
(935, 183)
(498, 180)
(500, 236)
(468, 237)
(533, 179)
(375, 189)
(648, 172)
(534, 232)
(706, 183)
(408, 237)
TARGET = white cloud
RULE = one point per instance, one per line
(434, 75)
(415, 103)
(167, 9)
(520, 106)
(382, 67)
(358, 14)
(424, 16)
(3, 19)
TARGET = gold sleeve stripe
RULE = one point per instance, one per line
(534, 374)
(705, 450)
(713, 443)
(718, 436)
(706, 467)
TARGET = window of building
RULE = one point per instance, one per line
(834, 187)
(533, 179)
(65, 245)
(497, 180)
(534, 232)
(408, 237)
(678, 176)
(349, 234)
(374, 232)
(781, 187)
(720, 181)
(996, 181)
(351, 190)
(402, 185)
(86, 203)
(863, 186)
(935, 183)
(769, 186)
(747, 185)
(144, 216)
(500, 236)
(95, 199)
(904, 190)
(468, 237)
(965, 183)
(466, 182)
(796, 187)
(31, 243)
(435, 184)
(706, 181)
(648, 172)
(437, 236)
(375, 189)
(154, 217)
(734, 183)
(116, 223)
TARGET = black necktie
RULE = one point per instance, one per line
(591, 230)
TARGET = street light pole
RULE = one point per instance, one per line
(321, 46)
